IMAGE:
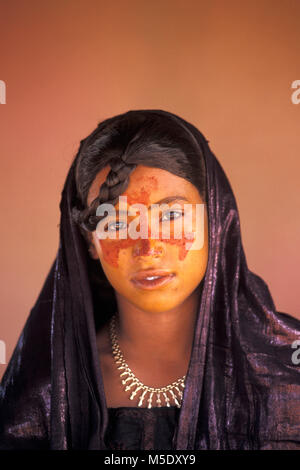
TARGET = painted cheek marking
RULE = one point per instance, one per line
(183, 250)
(111, 249)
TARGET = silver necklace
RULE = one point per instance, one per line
(131, 382)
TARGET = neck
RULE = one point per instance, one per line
(158, 336)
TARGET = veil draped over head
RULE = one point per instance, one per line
(242, 386)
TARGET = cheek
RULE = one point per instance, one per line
(111, 248)
(183, 244)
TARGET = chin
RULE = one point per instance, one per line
(154, 305)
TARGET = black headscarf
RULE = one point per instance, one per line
(242, 388)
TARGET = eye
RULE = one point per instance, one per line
(178, 214)
(115, 226)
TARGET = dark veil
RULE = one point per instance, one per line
(242, 387)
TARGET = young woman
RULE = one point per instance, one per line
(146, 335)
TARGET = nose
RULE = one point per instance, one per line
(147, 247)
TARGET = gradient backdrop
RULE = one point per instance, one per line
(226, 66)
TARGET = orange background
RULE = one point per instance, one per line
(226, 66)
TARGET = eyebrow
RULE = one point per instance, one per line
(165, 200)
(170, 199)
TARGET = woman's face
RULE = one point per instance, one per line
(154, 274)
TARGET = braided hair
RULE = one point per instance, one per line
(115, 184)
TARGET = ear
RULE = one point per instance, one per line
(91, 246)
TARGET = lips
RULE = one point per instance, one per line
(152, 278)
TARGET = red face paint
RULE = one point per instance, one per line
(142, 196)
(183, 250)
(111, 248)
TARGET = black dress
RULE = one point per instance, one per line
(134, 428)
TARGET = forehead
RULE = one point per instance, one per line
(148, 185)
